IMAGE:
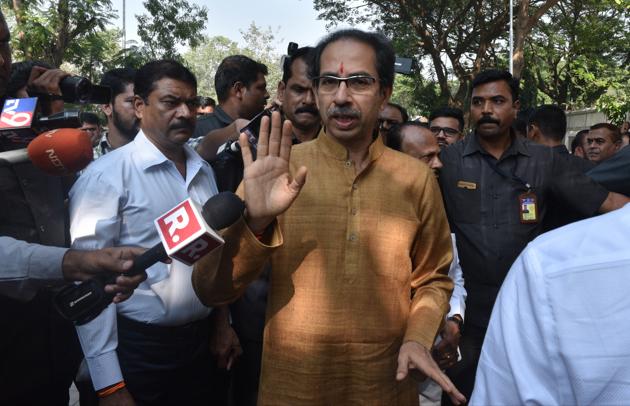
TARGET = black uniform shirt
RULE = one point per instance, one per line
(213, 121)
(483, 208)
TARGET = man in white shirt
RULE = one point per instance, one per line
(558, 334)
(154, 348)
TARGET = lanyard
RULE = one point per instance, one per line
(501, 172)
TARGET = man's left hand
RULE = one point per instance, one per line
(445, 351)
(414, 356)
(224, 343)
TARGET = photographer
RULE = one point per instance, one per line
(39, 350)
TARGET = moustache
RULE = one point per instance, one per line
(343, 111)
(307, 109)
(487, 120)
(182, 125)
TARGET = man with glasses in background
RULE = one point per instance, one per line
(447, 124)
(92, 126)
(360, 252)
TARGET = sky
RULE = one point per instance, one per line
(290, 20)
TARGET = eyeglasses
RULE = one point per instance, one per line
(449, 132)
(356, 84)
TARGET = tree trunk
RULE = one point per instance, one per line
(18, 10)
(523, 27)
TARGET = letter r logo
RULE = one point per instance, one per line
(177, 220)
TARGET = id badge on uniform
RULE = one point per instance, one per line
(528, 207)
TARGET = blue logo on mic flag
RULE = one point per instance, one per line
(18, 113)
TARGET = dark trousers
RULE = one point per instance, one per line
(39, 353)
(463, 373)
(247, 374)
(168, 365)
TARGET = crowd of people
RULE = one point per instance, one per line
(372, 262)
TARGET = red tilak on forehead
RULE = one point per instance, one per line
(341, 68)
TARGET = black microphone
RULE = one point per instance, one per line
(219, 212)
(83, 302)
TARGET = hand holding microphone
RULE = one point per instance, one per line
(187, 234)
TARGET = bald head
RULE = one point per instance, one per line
(419, 142)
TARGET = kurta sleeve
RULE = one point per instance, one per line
(222, 276)
(431, 258)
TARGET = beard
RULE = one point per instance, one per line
(126, 129)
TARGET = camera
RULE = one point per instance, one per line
(77, 89)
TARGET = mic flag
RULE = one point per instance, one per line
(187, 232)
(184, 233)
(61, 152)
(16, 119)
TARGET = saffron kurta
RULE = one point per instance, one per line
(359, 265)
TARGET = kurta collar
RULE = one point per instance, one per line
(327, 144)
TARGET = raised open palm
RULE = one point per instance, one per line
(269, 187)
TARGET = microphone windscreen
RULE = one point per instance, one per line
(62, 151)
(222, 210)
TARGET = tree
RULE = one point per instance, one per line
(49, 30)
(259, 45)
(205, 59)
(170, 23)
(458, 37)
(578, 56)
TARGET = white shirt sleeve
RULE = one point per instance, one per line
(519, 346)
(27, 267)
(94, 224)
(458, 298)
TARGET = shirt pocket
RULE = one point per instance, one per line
(466, 204)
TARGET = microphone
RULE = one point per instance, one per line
(61, 152)
(187, 234)
(19, 123)
(56, 152)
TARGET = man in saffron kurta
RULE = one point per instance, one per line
(360, 259)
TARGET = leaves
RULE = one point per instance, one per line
(575, 51)
(170, 23)
(259, 45)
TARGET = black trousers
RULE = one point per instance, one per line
(168, 365)
(463, 373)
(39, 352)
(244, 390)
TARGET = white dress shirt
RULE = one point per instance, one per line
(559, 329)
(113, 203)
(458, 298)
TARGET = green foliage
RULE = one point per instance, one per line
(579, 52)
(418, 96)
(615, 103)
(259, 45)
(93, 53)
(48, 30)
(576, 55)
(170, 23)
(454, 37)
